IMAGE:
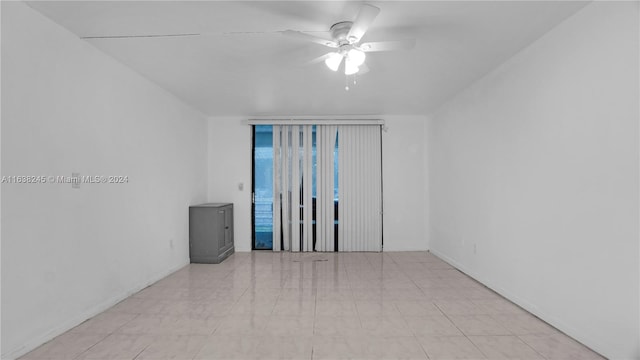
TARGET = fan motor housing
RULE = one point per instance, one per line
(339, 32)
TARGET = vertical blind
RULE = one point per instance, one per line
(325, 209)
(359, 201)
(293, 174)
(359, 188)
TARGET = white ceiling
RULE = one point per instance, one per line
(244, 66)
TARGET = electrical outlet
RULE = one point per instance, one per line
(171, 243)
(475, 249)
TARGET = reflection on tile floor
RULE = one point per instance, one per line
(265, 305)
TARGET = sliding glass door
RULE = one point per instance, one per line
(262, 187)
(303, 180)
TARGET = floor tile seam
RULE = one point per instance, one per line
(94, 345)
(422, 291)
(141, 351)
(424, 348)
(126, 323)
(516, 336)
(532, 348)
(492, 318)
(462, 332)
(232, 306)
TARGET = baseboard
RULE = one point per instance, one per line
(77, 320)
(386, 248)
(588, 341)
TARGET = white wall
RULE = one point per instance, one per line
(536, 165)
(230, 164)
(403, 178)
(68, 254)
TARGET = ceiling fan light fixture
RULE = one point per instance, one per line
(350, 67)
(333, 61)
(345, 42)
(356, 56)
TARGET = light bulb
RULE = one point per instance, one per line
(356, 56)
(350, 67)
(333, 61)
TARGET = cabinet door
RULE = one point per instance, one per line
(220, 231)
(228, 226)
(201, 231)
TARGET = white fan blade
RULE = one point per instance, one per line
(186, 34)
(319, 59)
(307, 37)
(363, 20)
(139, 36)
(388, 45)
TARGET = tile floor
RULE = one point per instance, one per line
(265, 305)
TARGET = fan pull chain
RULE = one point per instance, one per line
(346, 82)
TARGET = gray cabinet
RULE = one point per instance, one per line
(210, 232)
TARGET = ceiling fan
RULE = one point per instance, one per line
(345, 40)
